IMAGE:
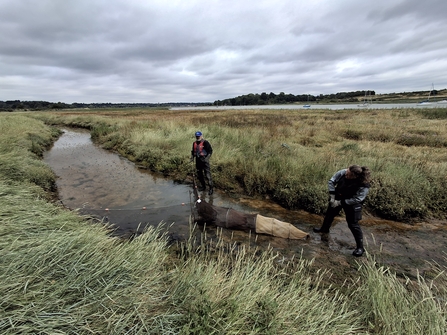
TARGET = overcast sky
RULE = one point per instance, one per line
(207, 50)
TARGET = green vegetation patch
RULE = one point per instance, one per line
(289, 155)
(433, 113)
(63, 274)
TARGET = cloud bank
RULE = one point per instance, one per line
(199, 51)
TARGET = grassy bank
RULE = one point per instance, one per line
(61, 274)
(289, 155)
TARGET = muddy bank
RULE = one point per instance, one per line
(102, 184)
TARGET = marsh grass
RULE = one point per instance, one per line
(22, 140)
(61, 273)
(242, 291)
(395, 306)
(289, 155)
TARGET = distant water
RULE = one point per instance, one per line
(318, 106)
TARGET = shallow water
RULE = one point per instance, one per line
(107, 186)
(103, 184)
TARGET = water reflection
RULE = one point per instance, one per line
(106, 185)
(110, 187)
(92, 178)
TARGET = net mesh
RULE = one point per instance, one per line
(133, 221)
(206, 213)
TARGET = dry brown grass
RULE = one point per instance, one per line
(290, 154)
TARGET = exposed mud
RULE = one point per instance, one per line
(109, 187)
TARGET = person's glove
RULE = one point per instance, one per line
(207, 158)
(336, 203)
(191, 159)
(331, 198)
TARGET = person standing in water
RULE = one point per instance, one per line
(202, 151)
(348, 189)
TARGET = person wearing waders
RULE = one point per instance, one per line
(348, 189)
(202, 151)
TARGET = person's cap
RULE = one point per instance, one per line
(198, 133)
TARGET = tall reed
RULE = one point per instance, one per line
(61, 273)
(391, 305)
(289, 155)
(242, 291)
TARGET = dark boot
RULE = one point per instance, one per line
(359, 250)
(202, 188)
(358, 236)
(331, 213)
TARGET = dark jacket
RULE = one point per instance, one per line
(349, 191)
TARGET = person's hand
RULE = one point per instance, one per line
(331, 198)
(207, 158)
(191, 159)
(336, 203)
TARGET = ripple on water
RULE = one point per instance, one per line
(92, 180)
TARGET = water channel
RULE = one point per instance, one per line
(440, 104)
(106, 186)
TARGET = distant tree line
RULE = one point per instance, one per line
(282, 98)
(13, 105)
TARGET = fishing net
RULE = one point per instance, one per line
(205, 213)
(127, 222)
(132, 221)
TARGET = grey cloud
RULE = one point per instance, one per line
(98, 50)
(420, 11)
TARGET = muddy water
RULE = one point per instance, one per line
(109, 187)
